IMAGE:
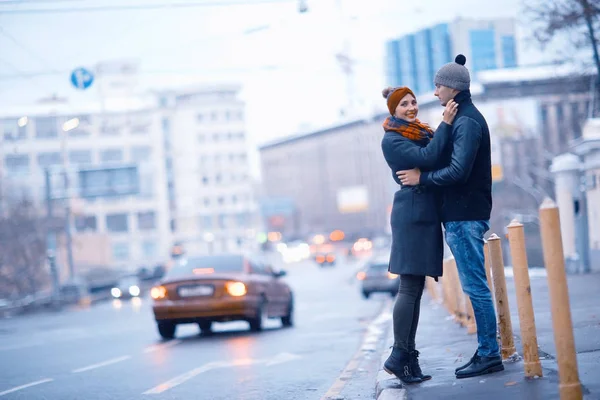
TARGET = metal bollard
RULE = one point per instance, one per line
(569, 385)
(516, 239)
(504, 322)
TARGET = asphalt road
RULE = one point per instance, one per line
(113, 351)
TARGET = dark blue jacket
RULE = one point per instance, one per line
(467, 178)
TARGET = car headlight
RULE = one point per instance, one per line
(392, 275)
(236, 289)
(158, 292)
(115, 292)
(134, 290)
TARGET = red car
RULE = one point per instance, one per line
(220, 288)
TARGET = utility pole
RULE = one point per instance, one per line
(51, 241)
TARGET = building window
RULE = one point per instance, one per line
(483, 49)
(241, 219)
(140, 123)
(146, 220)
(227, 115)
(149, 248)
(200, 117)
(49, 159)
(234, 199)
(221, 200)
(201, 138)
(215, 137)
(206, 202)
(214, 116)
(222, 221)
(141, 154)
(218, 179)
(111, 156)
(117, 223)
(80, 157)
(205, 180)
(85, 223)
(206, 222)
(16, 164)
(14, 129)
(120, 251)
(46, 127)
(509, 53)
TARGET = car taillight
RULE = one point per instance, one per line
(392, 276)
(320, 259)
(158, 292)
(236, 289)
(330, 258)
(361, 276)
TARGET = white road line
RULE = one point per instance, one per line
(156, 347)
(182, 378)
(102, 364)
(25, 386)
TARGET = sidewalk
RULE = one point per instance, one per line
(444, 345)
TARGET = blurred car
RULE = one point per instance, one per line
(126, 288)
(325, 259)
(375, 277)
(74, 291)
(221, 288)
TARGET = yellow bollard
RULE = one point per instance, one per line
(516, 239)
(503, 310)
(471, 325)
(569, 385)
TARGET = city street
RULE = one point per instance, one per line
(113, 351)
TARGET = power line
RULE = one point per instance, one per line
(27, 49)
(63, 10)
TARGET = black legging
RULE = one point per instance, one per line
(406, 311)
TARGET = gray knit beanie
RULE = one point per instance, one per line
(454, 75)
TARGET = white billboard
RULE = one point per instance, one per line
(352, 199)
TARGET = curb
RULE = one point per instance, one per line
(388, 387)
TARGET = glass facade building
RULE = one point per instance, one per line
(413, 59)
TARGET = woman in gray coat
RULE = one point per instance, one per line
(417, 243)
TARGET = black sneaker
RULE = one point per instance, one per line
(481, 366)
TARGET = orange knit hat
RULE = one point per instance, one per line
(394, 95)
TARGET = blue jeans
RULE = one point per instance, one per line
(465, 239)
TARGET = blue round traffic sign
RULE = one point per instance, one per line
(82, 78)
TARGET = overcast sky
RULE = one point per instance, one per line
(284, 60)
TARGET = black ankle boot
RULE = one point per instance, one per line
(416, 368)
(399, 364)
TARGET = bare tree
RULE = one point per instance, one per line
(22, 248)
(577, 20)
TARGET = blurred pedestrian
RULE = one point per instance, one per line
(466, 207)
(417, 242)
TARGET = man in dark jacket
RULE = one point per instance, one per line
(466, 208)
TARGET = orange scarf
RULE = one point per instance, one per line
(411, 130)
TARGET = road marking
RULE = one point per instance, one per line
(372, 335)
(101, 364)
(240, 362)
(182, 378)
(25, 386)
(160, 346)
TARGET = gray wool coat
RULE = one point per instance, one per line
(417, 241)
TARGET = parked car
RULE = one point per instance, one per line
(220, 288)
(375, 277)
